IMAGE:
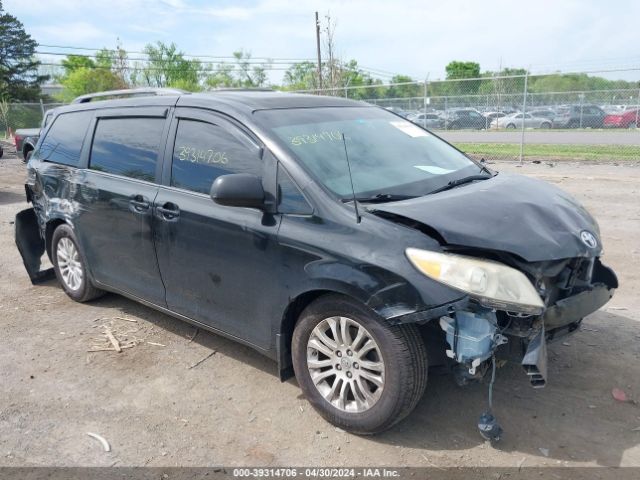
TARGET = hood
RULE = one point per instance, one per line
(510, 213)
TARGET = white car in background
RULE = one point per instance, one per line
(515, 120)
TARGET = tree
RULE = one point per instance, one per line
(301, 76)
(457, 70)
(167, 67)
(83, 75)
(19, 77)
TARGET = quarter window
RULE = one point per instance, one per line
(127, 146)
(204, 151)
(290, 199)
(63, 141)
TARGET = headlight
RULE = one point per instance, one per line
(493, 284)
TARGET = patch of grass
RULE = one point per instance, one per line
(558, 152)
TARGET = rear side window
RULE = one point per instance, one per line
(204, 151)
(127, 146)
(63, 141)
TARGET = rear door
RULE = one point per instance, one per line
(219, 264)
(119, 190)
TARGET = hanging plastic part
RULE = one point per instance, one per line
(488, 425)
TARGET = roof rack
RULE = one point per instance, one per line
(129, 92)
(240, 89)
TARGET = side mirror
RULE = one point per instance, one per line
(238, 190)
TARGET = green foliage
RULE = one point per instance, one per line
(167, 67)
(19, 78)
(74, 62)
(301, 76)
(457, 69)
(241, 74)
(83, 80)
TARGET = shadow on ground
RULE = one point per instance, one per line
(574, 418)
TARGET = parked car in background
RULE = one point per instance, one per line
(627, 119)
(463, 118)
(25, 139)
(493, 115)
(544, 113)
(427, 120)
(515, 120)
(579, 116)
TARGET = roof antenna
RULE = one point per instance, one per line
(353, 191)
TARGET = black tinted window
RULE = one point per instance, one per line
(127, 146)
(63, 141)
(290, 199)
(203, 151)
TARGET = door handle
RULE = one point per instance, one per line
(138, 204)
(169, 212)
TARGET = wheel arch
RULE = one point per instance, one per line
(50, 227)
(27, 146)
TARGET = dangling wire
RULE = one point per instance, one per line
(493, 378)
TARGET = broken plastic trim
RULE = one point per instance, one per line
(535, 360)
(31, 246)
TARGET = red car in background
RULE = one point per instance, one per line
(626, 119)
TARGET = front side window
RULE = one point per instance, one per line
(387, 155)
(204, 151)
(63, 142)
(127, 147)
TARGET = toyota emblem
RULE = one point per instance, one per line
(589, 239)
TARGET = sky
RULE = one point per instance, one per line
(412, 37)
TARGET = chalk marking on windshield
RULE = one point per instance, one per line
(410, 129)
(325, 136)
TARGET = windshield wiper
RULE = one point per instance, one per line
(383, 197)
(461, 181)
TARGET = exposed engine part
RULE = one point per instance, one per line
(472, 337)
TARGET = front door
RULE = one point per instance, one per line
(115, 223)
(219, 264)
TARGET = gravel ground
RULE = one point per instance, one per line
(232, 410)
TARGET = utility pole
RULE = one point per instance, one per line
(319, 58)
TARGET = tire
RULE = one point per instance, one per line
(398, 365)
(511, 126)
(545, 125)
(633, 125)
(71, 266)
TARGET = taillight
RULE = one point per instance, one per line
(16, 139)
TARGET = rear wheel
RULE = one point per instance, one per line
(545, 125)
(70, 266)
(511, 126)
(358, 372)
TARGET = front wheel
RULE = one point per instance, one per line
(511, 126)
(360, 373)
(70, 266)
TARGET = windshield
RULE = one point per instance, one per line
(387, 154)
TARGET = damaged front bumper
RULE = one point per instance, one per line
(519, 337)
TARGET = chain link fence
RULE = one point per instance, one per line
(521, 117)
(22, 115)
(513, 117)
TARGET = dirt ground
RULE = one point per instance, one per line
(232, 410)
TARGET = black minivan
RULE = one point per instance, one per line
(348, 244)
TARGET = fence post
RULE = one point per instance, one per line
(524, 112)
(638, 106)
(42, 108)
(581, 103)
(424, 100)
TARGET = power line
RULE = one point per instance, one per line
(231, 57)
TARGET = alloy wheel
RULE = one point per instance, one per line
(345, 364)
(69, 264)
